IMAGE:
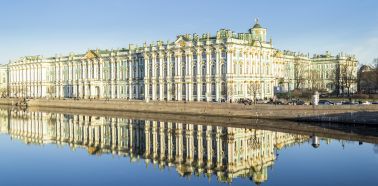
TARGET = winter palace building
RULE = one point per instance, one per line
(220, 67)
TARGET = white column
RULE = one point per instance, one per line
(218, 75)
(161, 80)
(199, 76)
(130, 79)
(208, 82)
(154, 78)
(169, 78)
(179, 78)
(190, 74)
(146, 79)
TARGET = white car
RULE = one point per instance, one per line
(365, 103)
(338, 103)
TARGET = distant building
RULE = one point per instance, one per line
(334, 73)
(368, 79)
(222, 67)
(4, 81)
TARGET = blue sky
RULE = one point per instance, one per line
(49, 27)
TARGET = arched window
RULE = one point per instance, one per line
(173, 69)
(183, 69)
(223, 88)
(204, 56)
(223, 69)
(213, 70)
(165, 70)
(194, 70)
(213, 55)
(203, 70)
(150, 68)
(213, 88)
(183, 90)
(223, 54)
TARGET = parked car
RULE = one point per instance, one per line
(245, 101)
(349, 103)
(325, 102)
(279, 102)
(261, 101)
(338, 103)
(296, 102)
(365, 103)
(323, 95)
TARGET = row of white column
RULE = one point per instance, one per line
(162, 83)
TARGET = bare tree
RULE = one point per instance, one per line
(315, 80)
(375, 75)
(19, 91)
(254, 88)
(347, 77)
(334, 77)
(171, 89)
(3, 92)
(230, 90)
(299, 74)
(51, 90)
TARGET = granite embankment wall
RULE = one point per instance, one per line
(360, 114)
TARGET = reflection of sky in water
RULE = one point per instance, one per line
(297, 165)
(334, 162)
(330, 164)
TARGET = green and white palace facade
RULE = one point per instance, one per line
(221, 67)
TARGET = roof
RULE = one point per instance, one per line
(257, 25)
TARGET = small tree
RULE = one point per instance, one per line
(3, 92)
(348, 77)
(171, 90)
(299, 74)
(315, 80)
(230, 90)
(51, 90)
(254, 88)
(376, 77)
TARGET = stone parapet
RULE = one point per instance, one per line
(364, 114)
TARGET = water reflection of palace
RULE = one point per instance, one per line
(226, 152)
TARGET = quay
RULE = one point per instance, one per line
(348, 114)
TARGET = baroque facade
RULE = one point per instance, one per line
(220, 67)
(225, 152)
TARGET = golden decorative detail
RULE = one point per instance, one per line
(182, 43)
(91, 54)
(278, 54)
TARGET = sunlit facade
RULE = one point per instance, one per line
(221, 67)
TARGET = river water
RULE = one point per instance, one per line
(47, 148)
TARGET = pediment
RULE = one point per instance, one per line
(181, 41)
(278, 54)
(91, 54)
